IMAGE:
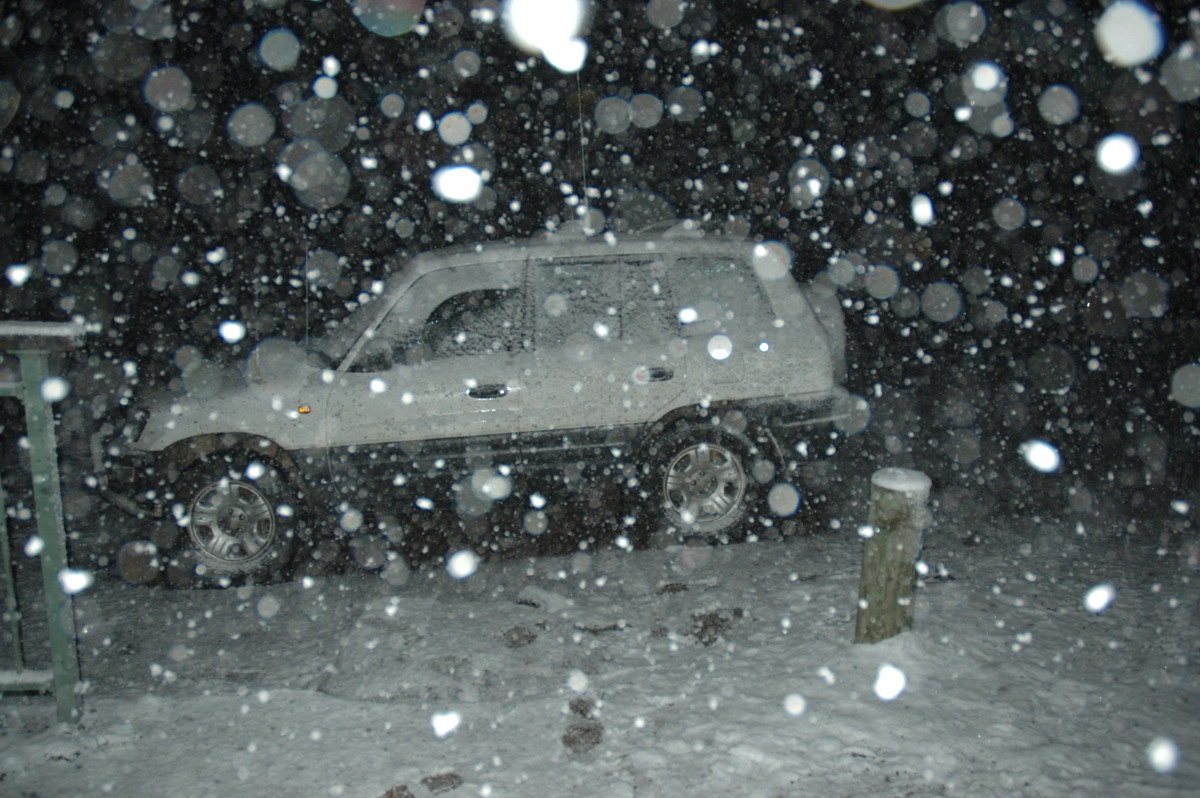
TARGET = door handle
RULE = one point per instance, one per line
(645, 374)
(488, 391)
(659, 374)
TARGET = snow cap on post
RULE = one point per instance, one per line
(912, 483)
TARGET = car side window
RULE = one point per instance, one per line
(646, 309)
(579, 301)
(476, 308)
(576, 300)
(715, 290)
(476, 322)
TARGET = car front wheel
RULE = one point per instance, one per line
(237, 512)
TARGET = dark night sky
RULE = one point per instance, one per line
(1061, 358)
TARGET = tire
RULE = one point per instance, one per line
(702, 480)
(229, 506)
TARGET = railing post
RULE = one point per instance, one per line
(898, 516)
(47, 495)
(32, 343)
(11, 607)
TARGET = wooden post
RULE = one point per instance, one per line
(899, 515)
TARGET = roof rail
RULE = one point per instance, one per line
(574, 228)
(674, 228)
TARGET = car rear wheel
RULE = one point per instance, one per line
(702, 480)
(237, 513)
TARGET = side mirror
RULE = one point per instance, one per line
(376, 355)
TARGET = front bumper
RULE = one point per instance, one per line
(125, 475)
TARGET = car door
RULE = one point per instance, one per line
(449, 362)
(727, 323)
(605, 354)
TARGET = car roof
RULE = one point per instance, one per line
(569, 245)
(678, 240)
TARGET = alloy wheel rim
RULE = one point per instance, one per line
(704, 484)
(232, 522)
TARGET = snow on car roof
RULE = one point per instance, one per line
(679, 239)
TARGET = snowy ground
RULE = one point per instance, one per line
(671, 672)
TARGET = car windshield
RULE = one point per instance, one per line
(406, 313)
(342, 336)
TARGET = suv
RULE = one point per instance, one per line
(685, 367)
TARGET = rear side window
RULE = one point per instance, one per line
(716, 289)
(646, 308)
(575, 298)
(606, 300)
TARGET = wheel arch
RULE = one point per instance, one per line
(743, 423)
(177, 458)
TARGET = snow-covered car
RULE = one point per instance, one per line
(686, 367)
